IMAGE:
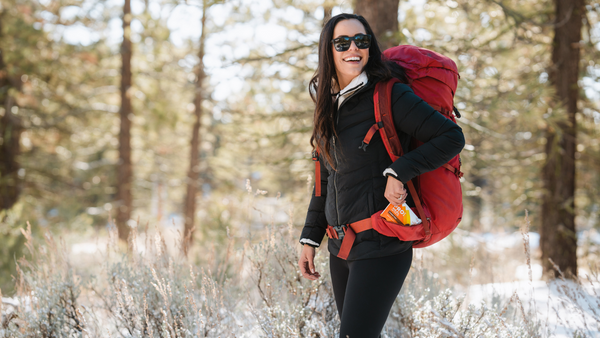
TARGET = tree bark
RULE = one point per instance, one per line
(382, 16)
(558, 237)
(10, 136)
(194, 169)
(124, 167)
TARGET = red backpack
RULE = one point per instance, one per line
(437, 194)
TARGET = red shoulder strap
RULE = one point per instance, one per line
(383, 113)
(315, 157)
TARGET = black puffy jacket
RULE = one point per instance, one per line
(354, 191)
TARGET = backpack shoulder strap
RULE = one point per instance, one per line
(382, 99)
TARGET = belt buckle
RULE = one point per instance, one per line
(340, 230)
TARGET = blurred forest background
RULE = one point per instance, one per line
(169, 114)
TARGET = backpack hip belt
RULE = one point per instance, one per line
(347, 233)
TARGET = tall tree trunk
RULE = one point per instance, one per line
(382, 16)
(124, 169)
(10, 135)
(558, 236)
(194, 170)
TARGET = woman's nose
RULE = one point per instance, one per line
(352, 46)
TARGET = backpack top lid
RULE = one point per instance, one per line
(420, 62)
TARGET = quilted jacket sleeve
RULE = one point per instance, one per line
(316, 223)
(442, 138)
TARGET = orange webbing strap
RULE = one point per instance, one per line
(347, 242)
(331, 233)
(374, 128)
(362, 225)
(317, 173)
(417, 200)
(456, 171)
(350, 236)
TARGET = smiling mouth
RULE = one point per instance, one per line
(353, 59)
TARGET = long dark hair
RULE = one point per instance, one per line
(377, 69)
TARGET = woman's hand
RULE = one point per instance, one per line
(394, 191)
(307, 263)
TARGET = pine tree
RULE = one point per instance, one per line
(124, 167)
(10, 131)
(194, 169)
(558, 237)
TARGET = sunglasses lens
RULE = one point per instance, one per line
(343, 43)
(362, 41)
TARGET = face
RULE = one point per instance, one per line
(349, 64)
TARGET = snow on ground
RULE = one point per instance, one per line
(561, 306)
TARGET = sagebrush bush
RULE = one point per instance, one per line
(150, 295)
(48, 291)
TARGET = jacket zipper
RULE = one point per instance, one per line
(337, 209)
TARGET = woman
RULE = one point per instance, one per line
(356, 183)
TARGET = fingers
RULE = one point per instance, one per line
(308, 270)
(311, 266)
(307, 264)
(395, 192)
(400, 199)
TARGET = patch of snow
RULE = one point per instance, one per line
(561, 306)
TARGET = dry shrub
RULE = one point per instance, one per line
(285, 304)
(256, 291)
(153, 294)
(48, 294)
(425, 309)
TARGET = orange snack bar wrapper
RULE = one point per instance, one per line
(401, 214)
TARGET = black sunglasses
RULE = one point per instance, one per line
(342, 44)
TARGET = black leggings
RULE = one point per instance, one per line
(365, 291)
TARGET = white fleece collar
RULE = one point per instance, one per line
(354, 85)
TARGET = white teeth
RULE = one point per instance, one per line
(353, 58)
